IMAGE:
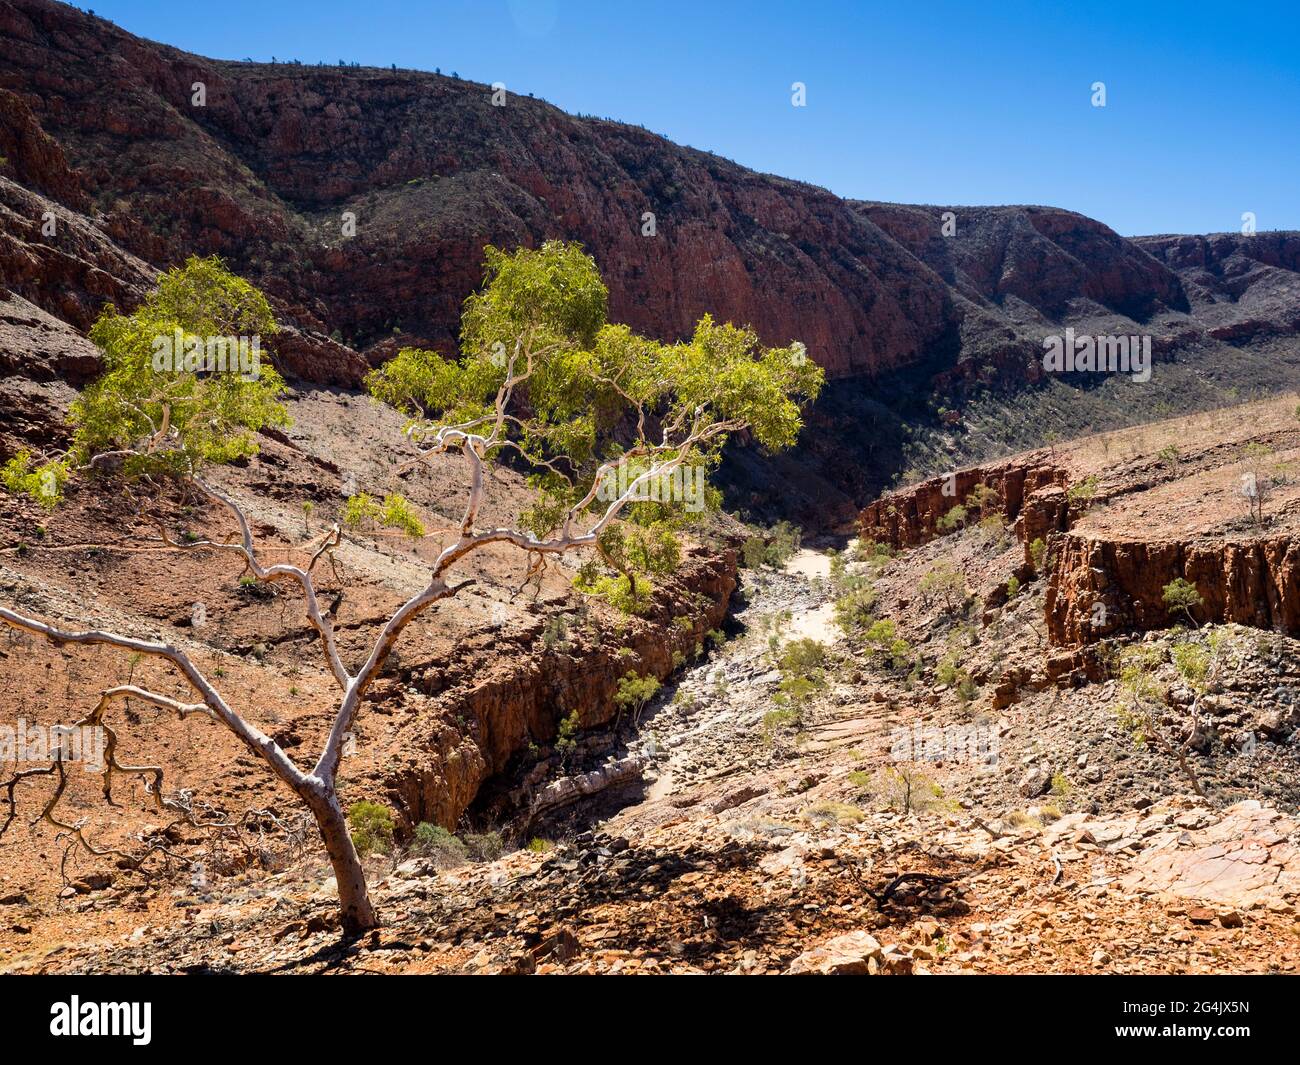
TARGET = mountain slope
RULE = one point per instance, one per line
(263, 172)
(933, 342)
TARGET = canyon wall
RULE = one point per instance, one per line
(502, 698)
(1100, 587)
(1028, 494)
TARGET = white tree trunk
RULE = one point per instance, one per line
(355, 910)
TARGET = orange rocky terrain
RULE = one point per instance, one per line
(967, 799)
(470, 691)
(964, 733)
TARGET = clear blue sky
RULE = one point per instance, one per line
(977, 103)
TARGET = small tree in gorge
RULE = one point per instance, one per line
(598, 414)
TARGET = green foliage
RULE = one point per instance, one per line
(617, 590)
(540, 322)
(1084, 491)
(829, 812)
(1038, 554)
(179, 420)
(869, 550)
(753, 553)
(640, 550)
(1013, 586)
(555, 633)
(776, 720)
(907, 790)
(396, 512)
(784, 543)
(550, 304)
(1180, 595)
(1192, 662)
(885, 643)
(485, 847)
(854, 611)
(983, 498)
(535, 342)
(954, 676)
(994, 530)
(566, 735)
(1140, 692)
(774, 548)
(942, 582)
(802, 665)
(392, 512)
(634, 692)
(954, 519)
(802, 656)
(434, 841)
(371, 827)
(42, 483)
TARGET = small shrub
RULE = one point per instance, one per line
(371, 827)
(873, 551)
(555, 633)
(942, 582)
(634, 692)
(1084, 491)
(842, 813)
(954, 519)
(566, 735)
(485, 847)
(435, 842)
(776, 720)
(1181, 595)
(617, 590)
(983, 498)
(854, 610)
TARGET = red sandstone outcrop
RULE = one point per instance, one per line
(518, 700)
(1029, 494)
(1099, 586)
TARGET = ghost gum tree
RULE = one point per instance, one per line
(599, 417)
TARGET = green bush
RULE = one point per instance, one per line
(1181, 596)
(1085, 491)
(954, 519)
(944, 583)
(485, 847)
(434, 841)
(371, 827)
(634, 692)
(616, 589)
(1038, 554)
(854, 611)
(566, 736)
